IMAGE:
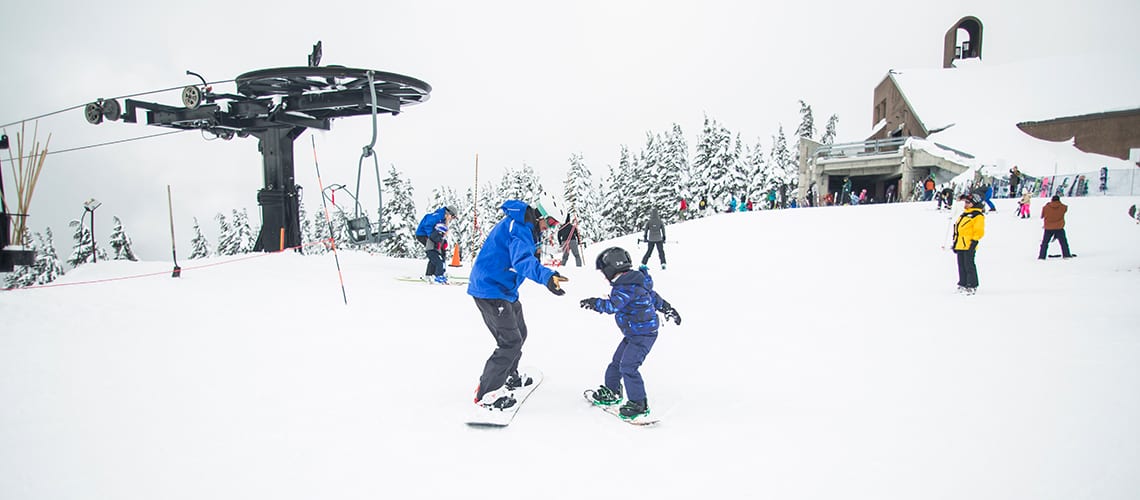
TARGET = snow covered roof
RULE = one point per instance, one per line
(978, 106)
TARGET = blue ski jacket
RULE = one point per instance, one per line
(429, 221)
(508, 257)
(633, 303)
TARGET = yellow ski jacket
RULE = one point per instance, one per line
(970, 228)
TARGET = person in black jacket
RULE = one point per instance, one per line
(655, 237)
(568, 238)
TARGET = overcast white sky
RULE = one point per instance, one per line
(513, 82)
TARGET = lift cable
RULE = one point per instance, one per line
(160, 134)
(109, 98)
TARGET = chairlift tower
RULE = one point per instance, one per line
(276, 105)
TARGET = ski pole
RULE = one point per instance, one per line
(328, 221)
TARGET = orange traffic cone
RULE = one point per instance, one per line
(455, 257)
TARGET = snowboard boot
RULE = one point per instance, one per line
(971, 290)
(515, 380)
(606, 397)
(498, 399)
(633, 409)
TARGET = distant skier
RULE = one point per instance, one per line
(989, 196)
(1054, 215)
(568, 238)
(1023, 205)
(1014, 181)
(845, 193)
(424, 234)
(968, 231)
(634, 305)
(655, 237)
(508, 257)
(946, 198)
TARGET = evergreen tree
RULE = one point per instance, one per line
(644, 181)
(582, 200)
(522, 184)
(714, 163)
(320, 227)
(485, 214)
(759, 176)
(81, 251)
(785, 173)
(672, 174)
(22, 276)
(828, 136)
(48, 268)
(398, 216)
(199, 247)
(120, 242)
(617, 197)
(243, 234)
(227, 238)
(741, 177)
(807, 123)
(306, 225)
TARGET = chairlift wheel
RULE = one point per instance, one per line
(94, 113)
(111, 109)
(191, 96)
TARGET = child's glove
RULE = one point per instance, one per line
(553, 284)
(643, 268)
(671, 314)
(589, 303)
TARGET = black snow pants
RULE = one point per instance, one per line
(505, 320)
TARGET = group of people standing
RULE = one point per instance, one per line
(511, 255)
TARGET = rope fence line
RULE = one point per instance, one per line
(160, 273)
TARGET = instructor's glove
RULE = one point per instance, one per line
(671, 314)
(554, 284)
(589, 303)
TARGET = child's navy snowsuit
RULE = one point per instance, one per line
(634, 305)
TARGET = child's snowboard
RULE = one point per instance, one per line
(614, 410)
(492, 417)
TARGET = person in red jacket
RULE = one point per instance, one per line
(1054, 215)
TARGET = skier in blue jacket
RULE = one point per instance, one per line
(634, 305)
(431, 233)
(508, 257)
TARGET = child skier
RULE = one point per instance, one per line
(1023, 205)
(634, 305)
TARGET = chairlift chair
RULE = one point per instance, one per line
(358, 227)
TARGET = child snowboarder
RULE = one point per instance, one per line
(634, 305)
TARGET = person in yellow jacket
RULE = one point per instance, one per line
(969, 229)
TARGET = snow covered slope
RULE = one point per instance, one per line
(823, 354)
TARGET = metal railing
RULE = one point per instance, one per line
(864, 148)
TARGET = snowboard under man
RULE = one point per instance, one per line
(508, 257)
(634, 305)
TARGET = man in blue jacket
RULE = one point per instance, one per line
(508, 257)
(432, 240)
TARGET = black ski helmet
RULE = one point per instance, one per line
(612, 261)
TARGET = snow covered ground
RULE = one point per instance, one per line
(824, 354)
